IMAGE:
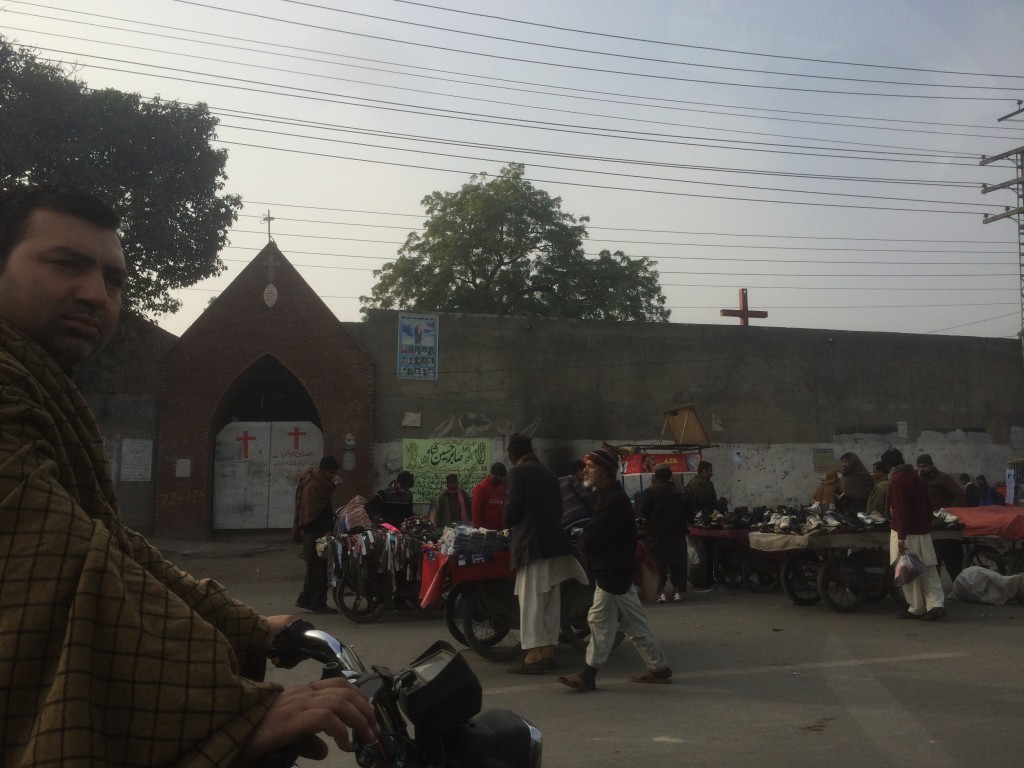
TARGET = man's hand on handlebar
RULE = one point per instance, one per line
(330, 707)
(276, 623)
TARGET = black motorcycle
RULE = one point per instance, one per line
(437, 694)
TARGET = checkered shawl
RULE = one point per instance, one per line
(109, 655)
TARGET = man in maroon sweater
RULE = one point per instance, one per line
(911, 523)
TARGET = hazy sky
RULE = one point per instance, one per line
(821, 153)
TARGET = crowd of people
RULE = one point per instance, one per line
(93, 617)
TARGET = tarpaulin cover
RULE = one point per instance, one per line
(1004, 522)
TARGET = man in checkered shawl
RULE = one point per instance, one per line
(109, 655)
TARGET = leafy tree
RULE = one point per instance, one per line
(501, 246)
(150, 159)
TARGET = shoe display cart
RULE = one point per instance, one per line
(843, 570)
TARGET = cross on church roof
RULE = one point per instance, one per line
(744, 313)
(268, 218)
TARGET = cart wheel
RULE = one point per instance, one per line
(760, 574)
(454, 605)
(362, 597)
(728, 567)
(877, 574)
(490, 624)
(576, 601)
(799, 578)
(842, 583)
(987, 557)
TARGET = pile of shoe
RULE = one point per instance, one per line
(781, 519)
(945, 521)
(818, 518)
(420, 528)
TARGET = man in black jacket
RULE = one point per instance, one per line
(608, 545)
(541, 553)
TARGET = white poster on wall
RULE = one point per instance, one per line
(136, 461)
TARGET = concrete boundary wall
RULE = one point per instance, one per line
(767, 396)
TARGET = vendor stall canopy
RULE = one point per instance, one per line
(685, 426)
(685, 430)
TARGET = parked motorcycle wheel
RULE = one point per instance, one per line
(454, 606)
(362, 597)
(490, 623)
(842, 583)
(799, 578)
(759, 573)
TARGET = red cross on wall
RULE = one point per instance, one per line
(295, 433)
(744, 313)
(244, 439)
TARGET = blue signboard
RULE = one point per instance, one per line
(417, 346)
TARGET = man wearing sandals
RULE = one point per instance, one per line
(608, 545)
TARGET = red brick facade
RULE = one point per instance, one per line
(204, 369)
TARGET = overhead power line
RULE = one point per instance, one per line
(760, 113)
(611, 36)
(626, 56)
(759, 235)
(580, 67)
(872, 146)
(647, 137)
(619, 174)
(608, 187)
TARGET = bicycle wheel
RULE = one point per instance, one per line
(490, 623)
(987, 557)
(799, 578)
(454, 605)
(362, 597)
(759, 573)
(842, 583)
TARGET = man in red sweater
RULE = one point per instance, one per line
(489, 499)
(911, 523)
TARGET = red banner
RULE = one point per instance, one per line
(644, 463)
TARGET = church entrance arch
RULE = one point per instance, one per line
(268, 431)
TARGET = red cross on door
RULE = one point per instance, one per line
(244, 439)
(296, 434)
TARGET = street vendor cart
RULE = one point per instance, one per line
(373, 570)
(841, 569)
(481, 609)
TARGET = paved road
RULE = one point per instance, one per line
(758, 681)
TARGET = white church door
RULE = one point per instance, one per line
(255, 469)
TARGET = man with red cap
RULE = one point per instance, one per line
(608, 545)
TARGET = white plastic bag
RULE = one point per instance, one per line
(908, 568)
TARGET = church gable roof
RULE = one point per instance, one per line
(269, 301)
